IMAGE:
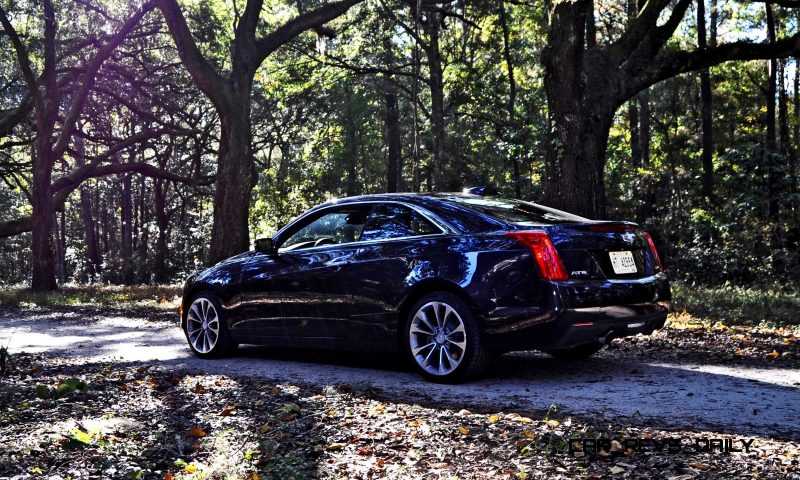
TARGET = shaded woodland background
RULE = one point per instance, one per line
(142, 141)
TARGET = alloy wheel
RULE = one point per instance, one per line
(202, 325)
(438, 338)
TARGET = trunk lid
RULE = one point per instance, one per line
(586, 250)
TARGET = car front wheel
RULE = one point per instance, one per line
(443, 340)
(205, 327)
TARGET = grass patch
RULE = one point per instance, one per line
(158, 296)
(738, 305)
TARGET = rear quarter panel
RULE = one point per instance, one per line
(495, 275)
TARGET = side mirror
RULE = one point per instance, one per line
(264, 245)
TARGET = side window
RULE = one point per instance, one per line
(395, 221)
(332, 228)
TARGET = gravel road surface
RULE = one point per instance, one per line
(665, 391)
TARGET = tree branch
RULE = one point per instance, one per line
(296, 26)
(204, 74)
(639, 28)
(24, 224)
(22, 54)
(676, 62)
(79, 99)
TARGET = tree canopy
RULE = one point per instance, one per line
(142, 140)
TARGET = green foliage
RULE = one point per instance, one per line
(772, 306)
(165, 297)
(319, 108)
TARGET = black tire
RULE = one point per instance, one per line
(473, 359)
(580, 352)
(223, 345)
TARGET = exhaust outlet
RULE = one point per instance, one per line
(606, 338)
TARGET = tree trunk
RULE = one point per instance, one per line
(236, 175)
(393, 140)
(442, 180)
(706, 109)
(644, 126)
(783, 112)
(392, 133)
(578, 123)
(143, 237)
(42, 261)
(633, 126)
(350, 125)
(162, 222)
(92, 257)
(772, 141)
(126, 248)
(512, 98)
(60, 237)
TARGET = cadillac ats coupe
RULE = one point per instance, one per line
(449, 280)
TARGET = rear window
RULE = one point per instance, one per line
(515, 211)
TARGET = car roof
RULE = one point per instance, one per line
(461, 211)
(410, 197)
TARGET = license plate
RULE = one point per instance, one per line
(622, 262)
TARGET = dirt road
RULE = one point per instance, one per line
(671, 391)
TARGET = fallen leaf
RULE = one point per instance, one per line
(265, 428)
(291, 408)
(227, 410)
(334, 447)
(553, 423)
(169, 476)
(199, 389)
(374, 410)
(494, 418)
(364, 451)
(616, 470)
(700, 466)
(463, 431)
(190, 468)
(773, 354)
(195, 432)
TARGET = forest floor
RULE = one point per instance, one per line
(99, 384)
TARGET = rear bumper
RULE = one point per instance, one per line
(601, 313)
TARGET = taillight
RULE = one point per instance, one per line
(655, 252)
(545, 254)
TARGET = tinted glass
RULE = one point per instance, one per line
(332, 228)
(515, 211)
(396, 221)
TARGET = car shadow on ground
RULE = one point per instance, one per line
(736, 399)
(663, 395)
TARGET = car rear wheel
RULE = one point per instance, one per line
(443, 340)
(579, 352)
(205, 327)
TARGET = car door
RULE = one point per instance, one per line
(300, 295)
(395, 237)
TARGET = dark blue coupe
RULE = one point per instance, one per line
(450, 280)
